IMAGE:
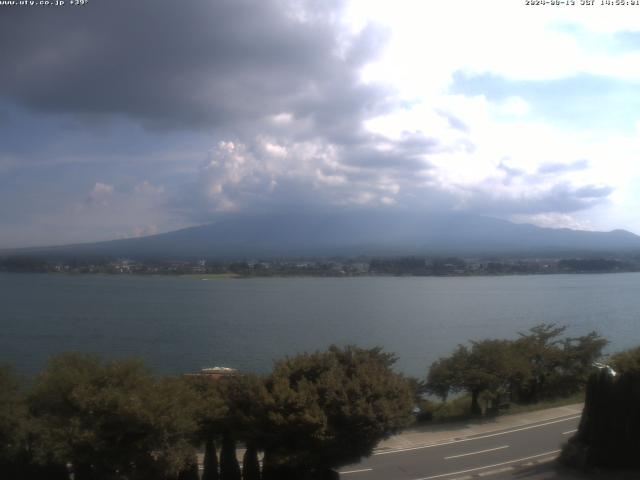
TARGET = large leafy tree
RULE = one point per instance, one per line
(14, 427)
(331, 408)
(541, 347)
(112, 420)
(446, 374)
(489, 367)
(12, 415)
(557, 365)
(539, 364)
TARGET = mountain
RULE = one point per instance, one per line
(352, 234)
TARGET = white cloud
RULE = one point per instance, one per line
(431, 40)
(553, 220)
(147, 188)
(100, 194)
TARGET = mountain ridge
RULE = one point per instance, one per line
(349, 234)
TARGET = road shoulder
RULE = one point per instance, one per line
(422, 436)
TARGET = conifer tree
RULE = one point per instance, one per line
(210, 471)
(229, 467)
(250, 464)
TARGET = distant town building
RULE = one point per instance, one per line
(213, 373)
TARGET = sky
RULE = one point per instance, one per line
(120, 119)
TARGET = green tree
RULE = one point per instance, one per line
(247, 401)
(15, 458)
(331, 408)
(229, 466)
(236, 404)
(579, 355)
(250, 464)
(489, 367)
(607, 436)
(12, 416)
(557, 366)
(445, 374)
(212, 413)
(626, 361)
(210, 467)
(544, 356)
(112, 420)
(539, 364)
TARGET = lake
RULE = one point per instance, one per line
(180, 324)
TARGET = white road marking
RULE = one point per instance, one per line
(478, 438)
(569, 432)
(476, 453)
(356, 471)
(489, 466)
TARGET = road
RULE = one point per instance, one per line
(480, 455)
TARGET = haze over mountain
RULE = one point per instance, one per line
(353, 234)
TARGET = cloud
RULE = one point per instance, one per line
(147, 188)
(553, 220)
(558, 198)
(593, 191)
(551, 168)
(222, 63)
(304, 108)
(100, 194)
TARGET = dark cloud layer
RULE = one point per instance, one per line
(167, 64)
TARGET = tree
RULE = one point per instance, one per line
(112, 419)
(579, 355)
(557, 366)
(331, 408)
(236, 405)
(12, 416)
(212, 412)
(15, 459)
(626, 361)
(229, 466)
(488, 367)
(608, 432)
(210, 467)
(541, 348)
(250, 464)
(539, 364)
(445, 374)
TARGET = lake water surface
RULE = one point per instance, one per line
(180, 324)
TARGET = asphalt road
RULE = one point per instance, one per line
(485, 454)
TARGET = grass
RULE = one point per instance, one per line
(449, 411)
(558, 402)
(458, 408)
